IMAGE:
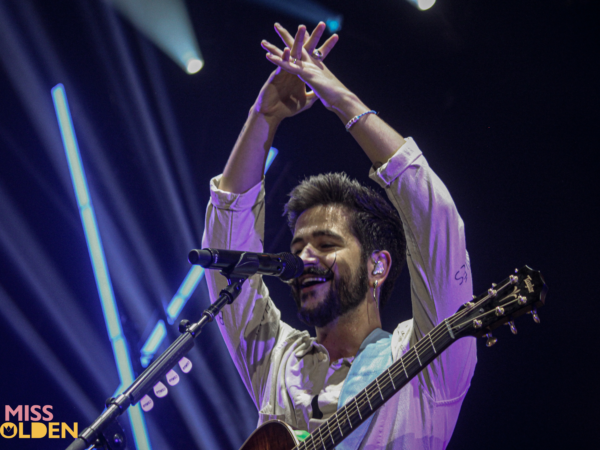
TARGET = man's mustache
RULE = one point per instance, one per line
(315, 270)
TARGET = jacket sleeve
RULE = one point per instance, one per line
(437, 261)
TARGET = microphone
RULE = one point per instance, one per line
(283, 265)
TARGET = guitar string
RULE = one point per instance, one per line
(327, 426)
(361, 397)
(395, 369)
(365, 392)
(373, 387)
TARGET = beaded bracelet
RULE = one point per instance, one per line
(356, 118)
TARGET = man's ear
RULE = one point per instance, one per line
(379, 264)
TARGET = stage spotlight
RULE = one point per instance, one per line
(194, 65)
(167, 24)
(422, 4)
(334, 24)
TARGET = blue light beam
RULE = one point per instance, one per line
(184, 292)
(96, 251)
(270, 157)
(156, 337)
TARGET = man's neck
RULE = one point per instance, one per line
(342, 337)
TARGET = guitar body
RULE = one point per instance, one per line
(271, 435)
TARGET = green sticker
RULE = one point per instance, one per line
(301, 434)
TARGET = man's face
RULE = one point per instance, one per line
(335, 276)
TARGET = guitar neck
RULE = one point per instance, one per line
(380, 390)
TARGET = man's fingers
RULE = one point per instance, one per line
(271, 48)
(286, 65)
(313, 40)
(310, 42)
(285, 36)
(328, 45)
(296, 51)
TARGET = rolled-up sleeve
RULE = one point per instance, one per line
(251, 325)
(437, 260)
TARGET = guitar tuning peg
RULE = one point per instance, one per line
(516, 270)
(513, 329)
(491, 340)
(535, 315)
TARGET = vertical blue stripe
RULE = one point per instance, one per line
(94, 243)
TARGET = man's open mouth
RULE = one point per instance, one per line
(312, 281)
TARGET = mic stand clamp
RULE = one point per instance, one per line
(94, 434)
(112, 437)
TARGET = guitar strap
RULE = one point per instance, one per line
(374, 356)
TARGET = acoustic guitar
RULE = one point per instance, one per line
(520, 293)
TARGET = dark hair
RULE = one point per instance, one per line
(373, 221)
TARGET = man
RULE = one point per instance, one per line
(353, 247)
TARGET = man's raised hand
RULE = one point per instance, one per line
(284, 94)
(303, 41)
(301, 58)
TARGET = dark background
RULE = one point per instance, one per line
(500, 96)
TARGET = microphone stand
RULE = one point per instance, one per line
(104, 432)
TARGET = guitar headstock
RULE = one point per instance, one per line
(521, 293)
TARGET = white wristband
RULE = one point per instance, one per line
(356, 119)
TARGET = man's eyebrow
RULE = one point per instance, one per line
(318, 233)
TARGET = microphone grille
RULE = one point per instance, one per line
(293, 266)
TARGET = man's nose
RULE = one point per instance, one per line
(309, 255)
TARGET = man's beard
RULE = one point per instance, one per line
(345, 294)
